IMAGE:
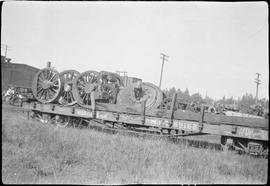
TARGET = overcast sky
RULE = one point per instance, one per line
(212, 47)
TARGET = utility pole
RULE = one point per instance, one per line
(6, 48)
(124, 74)
(164, 58)
(257, 81)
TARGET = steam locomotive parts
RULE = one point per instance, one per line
(47, 85)
(67, 77)
(135, 94)
(84, 84)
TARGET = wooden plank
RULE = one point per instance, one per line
(236, 131)
(184, 115)
(235, 120)
(118, 108)
(189, 116)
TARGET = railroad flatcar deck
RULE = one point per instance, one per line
(180, 121)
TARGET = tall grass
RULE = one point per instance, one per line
(33, 152)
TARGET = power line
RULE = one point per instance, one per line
(164, 58)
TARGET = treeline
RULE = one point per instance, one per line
(242, 103)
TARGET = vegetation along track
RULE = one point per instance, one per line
(114, 128)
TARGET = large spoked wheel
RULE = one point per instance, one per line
(46, 85)
(67, 77)
(134, 96)
(84, 84)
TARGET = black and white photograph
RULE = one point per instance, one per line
(135, 92)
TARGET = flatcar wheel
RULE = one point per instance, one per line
(46, 85)
(84, 84)
(67, 77)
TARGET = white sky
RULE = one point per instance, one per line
(212, 47)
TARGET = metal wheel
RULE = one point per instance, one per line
(83, 85)
(134, 96)
(67, 77)
(46, 85)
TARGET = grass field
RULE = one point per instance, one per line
(33, 152)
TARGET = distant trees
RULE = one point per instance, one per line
(243, 102)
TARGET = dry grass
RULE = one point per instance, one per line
(33, 152)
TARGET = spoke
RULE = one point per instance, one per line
(84, 97)
(72, 98)
(67, 97)
(50, 95)
(56, 81)
(64, 95)
(39, 90)
(52, 89)
(72, 75)
(40, 93)
(55, 89)
(87, 99)
(66, 77)
(49, 74)
(81, 85)
(84, 78)
(51, 79)
(40, 78)
(46, 95)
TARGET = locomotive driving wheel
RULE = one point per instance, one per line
(67, 78)
(134, 95)
(83, 85)
(46, 85)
